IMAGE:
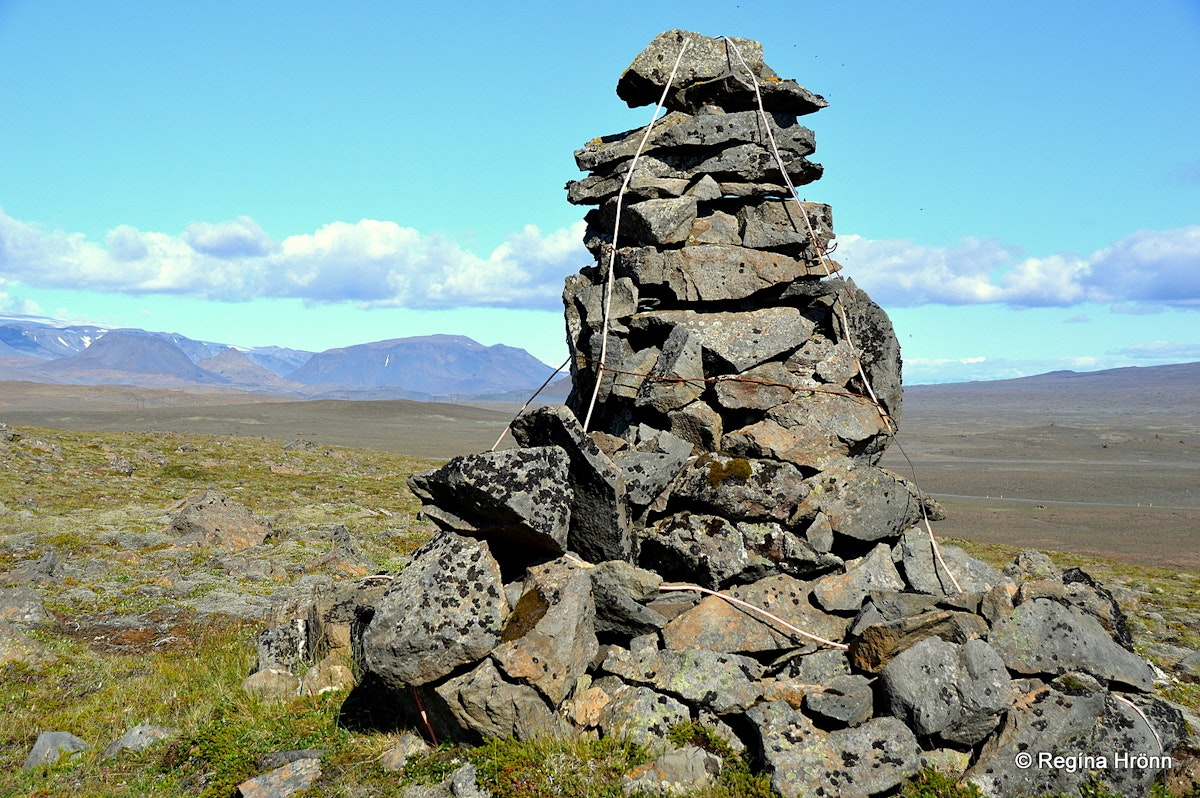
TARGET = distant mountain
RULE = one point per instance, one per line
(236, 366)
(1167, 392)
(435, 365)
(277, 359)
(137, 354)
(41, 341)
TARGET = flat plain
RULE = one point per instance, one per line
(1103, 464)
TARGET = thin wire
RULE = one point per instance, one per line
(762, 112)
(528, 402)
(840, 304)
(612, 256)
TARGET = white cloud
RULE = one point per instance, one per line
(1150, 269)
(376, 263)
(926, 371)
(1161, 351)
(15, 304)
(370, 262)
(241, 237)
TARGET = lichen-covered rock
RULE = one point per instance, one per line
(620, 592)
(550, 637)
(710, 273)
(859, 760)
(1051, 743)
(876, 644)
(704, 549)
(923, 572)
(636, 713)
(738, 488)
(445, 610)
(1076, 588)
(682, 770)
(211, 518)
(722, 683)
(844, 700)
(718, 625)
(846, 591)
(650, 466)
(864, 502)
(600, 528)
(711, 72)
(779, 225)
(483, 704)
(677, 378)
(954, 692)
(734, 341)
(1043, 636)
(520, 496)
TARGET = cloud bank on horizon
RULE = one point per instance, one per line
(374, 263)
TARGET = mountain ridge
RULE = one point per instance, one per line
(423, 368)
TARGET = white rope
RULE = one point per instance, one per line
(841, 309)
(1138, 710)
(746, 605)
(612, 256)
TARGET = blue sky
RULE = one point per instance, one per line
(1017, 183)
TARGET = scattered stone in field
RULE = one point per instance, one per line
(407, 746)
(23, 606)
(16, 646)
(138, 738)
(45, 570)
(50, 747)
(461, 783)
(331, 674)
(272, 684)
(277, 759)
(213, 519)
(290, 779)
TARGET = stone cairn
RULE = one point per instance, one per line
(745, 397)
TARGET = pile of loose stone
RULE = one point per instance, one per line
(734, 447)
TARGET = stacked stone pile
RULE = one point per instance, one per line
(734, 447)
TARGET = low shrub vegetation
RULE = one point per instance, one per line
(101, 501)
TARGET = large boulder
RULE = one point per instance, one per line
(1045, 637)
(862, 760)
(954, 692)
(1054, 743)
(518, 496)
(445, 610)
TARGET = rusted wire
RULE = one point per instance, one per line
(528, 402)
(734, 378)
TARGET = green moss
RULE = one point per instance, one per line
(736, 779)
(719, 473)
(933, 783)
(530, 609)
